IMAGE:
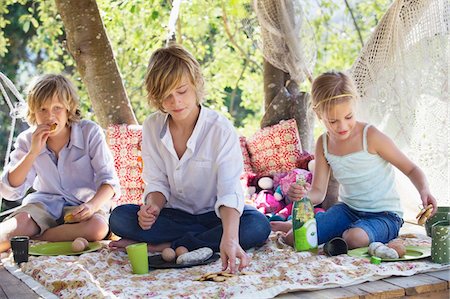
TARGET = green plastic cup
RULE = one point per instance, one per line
(137, 254)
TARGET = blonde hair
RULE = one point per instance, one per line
(44, 88)
(166, 69)
(332, 88)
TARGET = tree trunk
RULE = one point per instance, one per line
(89, 45)
(283, 102)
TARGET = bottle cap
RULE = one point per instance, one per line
(375, 260)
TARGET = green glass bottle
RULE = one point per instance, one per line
(304, 225)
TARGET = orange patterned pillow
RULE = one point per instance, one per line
(125, 144)
(275, 149)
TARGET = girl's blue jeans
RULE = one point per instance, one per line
(184, 229)
(380, 227)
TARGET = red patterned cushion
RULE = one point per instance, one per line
(125, 143)
(275, 149)
(245, 155)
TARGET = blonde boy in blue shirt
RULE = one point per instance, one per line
(68, 163)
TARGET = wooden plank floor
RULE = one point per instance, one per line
(429, 285)
(13, 288)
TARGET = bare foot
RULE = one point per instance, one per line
(289, 238)
(122, 243)
(282, 226)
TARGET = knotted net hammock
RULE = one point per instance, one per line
(287, 40)
(402, 75)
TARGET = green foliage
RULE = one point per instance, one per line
(220, 34)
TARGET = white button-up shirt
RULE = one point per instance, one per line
(207, 175)
(83, 166)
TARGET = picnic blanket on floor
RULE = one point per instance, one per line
(275, 269)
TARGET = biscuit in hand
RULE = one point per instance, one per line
(53, 127)
(424, 214)
(68, 218)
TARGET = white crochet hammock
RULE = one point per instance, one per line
(402, 74)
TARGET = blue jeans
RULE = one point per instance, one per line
(380, 227)
(192, 231)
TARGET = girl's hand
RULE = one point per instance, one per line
(39, 138)
(427, 199)
(229, 251)
(147, 215)
(297, 191)
(83, 212)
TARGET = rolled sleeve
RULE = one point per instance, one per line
(9, 192)
(6, 190)
(230, 200)
(230, 167)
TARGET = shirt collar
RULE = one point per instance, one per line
(197, 129)
(198, 126)
(76, 136)
(164, 126)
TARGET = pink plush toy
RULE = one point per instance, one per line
(266, 203)
(300, 176)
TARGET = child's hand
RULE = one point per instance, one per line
(230, 251)
(39, 138)
(298, 191)
(147, 215)
(427, 199)
(83, 212)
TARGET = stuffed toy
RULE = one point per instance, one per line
(299, 176)
(268, 195)
(267, 204)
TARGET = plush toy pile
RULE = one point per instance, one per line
(269, 193)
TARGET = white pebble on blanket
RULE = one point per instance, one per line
(195, 256)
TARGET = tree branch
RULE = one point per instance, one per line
(354, 22)
(230, 36)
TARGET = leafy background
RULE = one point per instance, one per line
(222, 35)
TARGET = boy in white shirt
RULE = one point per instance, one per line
(192, 164)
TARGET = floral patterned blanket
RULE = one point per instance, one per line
(275, 269)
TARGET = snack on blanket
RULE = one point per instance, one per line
(168, 255)
(79, 244)
(215, 276)
(397, 245)
(382, 251)
(423, 215)
(181, 250)
(195, 256)
(221, 276)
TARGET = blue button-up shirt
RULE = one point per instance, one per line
(207, 175)
(83, 166)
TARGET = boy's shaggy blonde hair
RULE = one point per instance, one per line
(332, 88)
(166, 69)
(44, 88)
